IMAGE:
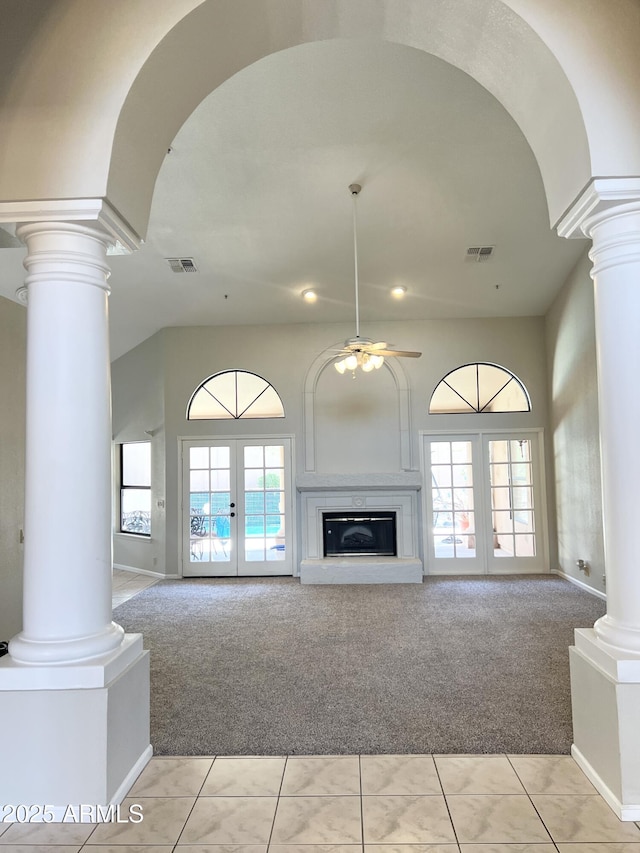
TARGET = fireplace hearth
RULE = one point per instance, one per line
(367, 533)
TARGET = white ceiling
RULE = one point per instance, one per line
(255, 189)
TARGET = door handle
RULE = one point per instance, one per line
(232, 514)
(232, 505)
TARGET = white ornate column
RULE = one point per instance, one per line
(605, 661)
(67, 551)
(82, 684)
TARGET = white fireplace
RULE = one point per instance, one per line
(358, 493)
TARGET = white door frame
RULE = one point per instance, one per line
(536, 434)
(244, 437)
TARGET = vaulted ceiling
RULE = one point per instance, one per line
(255, 190)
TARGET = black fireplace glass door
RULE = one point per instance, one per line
(359, 533)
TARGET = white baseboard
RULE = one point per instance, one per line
(132, 775)
(630, 812)
(581, 584)
(137, 571)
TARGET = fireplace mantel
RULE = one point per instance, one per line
(394, 481)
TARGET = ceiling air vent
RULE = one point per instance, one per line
(182, 264)
(479, 253)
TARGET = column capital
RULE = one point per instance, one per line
(601, 198)
(96, 213)
(64, 252)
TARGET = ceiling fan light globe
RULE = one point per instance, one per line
(377, 361)
(340, 366)
(368, 365)
(351, 362)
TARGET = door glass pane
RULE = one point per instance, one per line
(441, 475)
(221, 480)
(254, 502)
(525, 546)
(442, 499)
(523, 522)
(499, 475)
(253, 457)
(521, 450)
(254, 478)
(274, 456)
(460, 452)
(462, 475)
(273, 478)
(464, 498)
(522, 497)
(199, 481)
(499, 451)
(521, 474)
(503, 545)
(254, 525)
(220, 457)
(440, 452)
(501, 498)
(199, 457)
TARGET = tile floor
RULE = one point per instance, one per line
(338, 804)
(346, 804)
(127, 584)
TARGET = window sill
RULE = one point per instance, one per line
(136, 537)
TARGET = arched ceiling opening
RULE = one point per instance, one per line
(483, 38)
(73, 70)
(255, 190)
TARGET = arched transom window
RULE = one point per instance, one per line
(234, 394)
(480, 387)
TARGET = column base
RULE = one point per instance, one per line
(605, 699)
(73, 740)
(23, 649)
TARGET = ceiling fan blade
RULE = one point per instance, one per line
(377, 346)
(398, 352)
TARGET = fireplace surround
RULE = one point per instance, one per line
(358, 496)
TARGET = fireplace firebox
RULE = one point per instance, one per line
(359, 533)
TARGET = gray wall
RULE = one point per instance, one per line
(574, 427)
(13, 345)
(138, 415)
(284, 355)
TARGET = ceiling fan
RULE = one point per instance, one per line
(358, 351)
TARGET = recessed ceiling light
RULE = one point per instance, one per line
(399, 291)
(309, 295)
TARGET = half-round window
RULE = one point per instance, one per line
(234, 394)
(479, 388)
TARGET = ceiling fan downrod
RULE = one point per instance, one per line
(355, 189)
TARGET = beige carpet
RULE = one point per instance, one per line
(267, 666)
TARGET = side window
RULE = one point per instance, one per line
(135, 487)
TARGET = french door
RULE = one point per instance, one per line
(484, 503)
(236, 507)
